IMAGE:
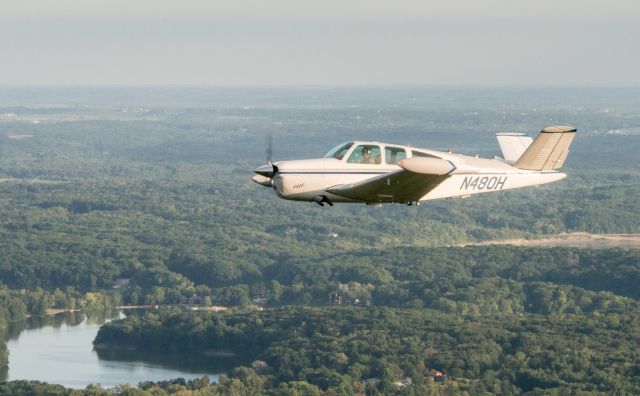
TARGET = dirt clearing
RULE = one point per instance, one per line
(574, 239)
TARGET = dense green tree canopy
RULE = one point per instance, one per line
(114, 196)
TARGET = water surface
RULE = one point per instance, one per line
(59, 350)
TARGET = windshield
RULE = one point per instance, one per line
(339, 151)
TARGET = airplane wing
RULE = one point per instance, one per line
(401, 186)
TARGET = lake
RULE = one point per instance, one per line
(59, 350)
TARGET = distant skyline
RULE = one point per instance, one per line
(291, 43)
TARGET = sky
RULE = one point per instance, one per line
(325, 43)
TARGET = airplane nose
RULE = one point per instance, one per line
(266, 175)
(265, 170)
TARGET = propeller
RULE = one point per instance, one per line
(268, 171)
(269, 151)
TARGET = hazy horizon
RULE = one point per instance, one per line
(287, 43)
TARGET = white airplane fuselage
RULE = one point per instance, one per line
(306, 180)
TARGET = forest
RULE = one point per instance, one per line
(153, 187)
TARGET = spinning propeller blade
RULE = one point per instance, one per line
(269, 151)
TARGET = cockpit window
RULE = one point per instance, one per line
(339, 151)
(394, 154)
(365, 154)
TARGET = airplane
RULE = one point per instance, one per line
(376, 173)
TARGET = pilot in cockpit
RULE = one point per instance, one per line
(366, 155)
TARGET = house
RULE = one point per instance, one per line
(335, 298)
(260, 300)
(192, 301)
(403, 383)
(216, 308)
(435, 375)
(121, 283)
(371, 382)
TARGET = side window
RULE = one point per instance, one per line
(392, 155)
(365, 154)
(421, 154)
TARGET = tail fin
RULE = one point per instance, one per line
(513, 144)
(548, 150)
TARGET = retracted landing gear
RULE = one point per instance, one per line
(321, 200)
